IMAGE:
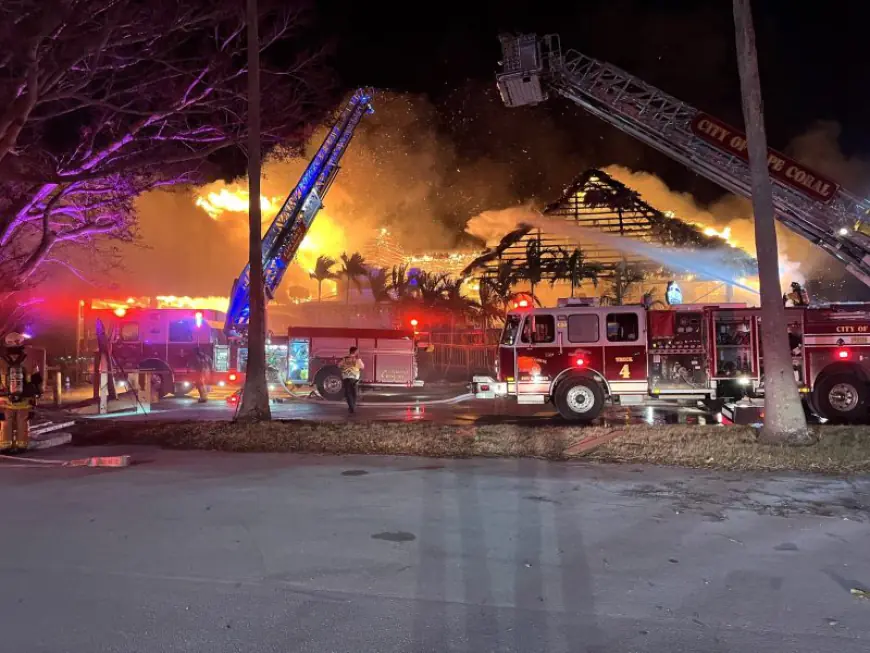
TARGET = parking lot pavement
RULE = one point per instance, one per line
(219, 553)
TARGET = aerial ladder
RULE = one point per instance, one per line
(806, 202)
(294, 219)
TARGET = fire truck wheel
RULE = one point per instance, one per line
(842, 398)
(328, 382)
(579, 399)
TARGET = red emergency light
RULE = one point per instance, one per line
(579, 362)
(120, 311)
(843, 354)
(414, 322)
(523, 303)
(233, 377)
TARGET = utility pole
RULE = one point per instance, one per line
(255, 397)
(784, 419)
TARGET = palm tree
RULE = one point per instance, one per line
(572, 266)
(430, 285)
(322, 272)
(533, 267)
(453, 299)
(354, 267)
(490, 305)
(625, 276)
(500, 285)
(508, 240)
(377, 279)
(400, 284)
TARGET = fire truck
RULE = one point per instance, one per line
(163, 341)
(581, 356)
(310, 356)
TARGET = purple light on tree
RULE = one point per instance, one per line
(103, 100)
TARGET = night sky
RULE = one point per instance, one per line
(813, 59)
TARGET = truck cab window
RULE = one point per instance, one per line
(129, 332)
(544, 329)
(511, 325)
(622, 327)
(583, 328)
(181, 331)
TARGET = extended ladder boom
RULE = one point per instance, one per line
(292, 222)
(809, 204)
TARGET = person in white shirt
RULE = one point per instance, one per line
(351, 367)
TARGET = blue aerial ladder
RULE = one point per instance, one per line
(292, 222)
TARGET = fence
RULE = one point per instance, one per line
(467, 359)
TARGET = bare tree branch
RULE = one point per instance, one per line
(103, 100)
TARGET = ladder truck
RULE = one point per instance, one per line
(805, 201)
(579, 356)
(294, 219)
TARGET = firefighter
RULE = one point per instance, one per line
(798, 295)
(351, 366)
(201, 364)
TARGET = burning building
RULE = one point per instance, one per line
(606, 216)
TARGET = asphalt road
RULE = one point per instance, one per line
(278, 553)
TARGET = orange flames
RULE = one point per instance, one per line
(163, 301)
(324, 238)
(234, 199)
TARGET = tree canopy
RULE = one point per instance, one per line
(103, 100)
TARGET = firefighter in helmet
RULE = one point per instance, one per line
(798, 295)
(201, 364)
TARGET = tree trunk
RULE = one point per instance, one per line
(784, 419)
(347, 291)
(255, 398)
(319, 290)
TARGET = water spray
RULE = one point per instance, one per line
(705, 264)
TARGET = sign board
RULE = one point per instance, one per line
(783, 169)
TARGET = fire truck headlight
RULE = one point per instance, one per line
(222, 383)
(744, 380)
(187, 384)
(843, 231)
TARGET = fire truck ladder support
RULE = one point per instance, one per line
(810, 205)
(293, 221)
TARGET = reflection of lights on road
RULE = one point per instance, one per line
(650, 415)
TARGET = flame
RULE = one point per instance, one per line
(163, 301)
(724, 234)
(324, 238)
(211, 302)
(234, 199)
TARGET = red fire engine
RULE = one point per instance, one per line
(163, 340)
(580, 356)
